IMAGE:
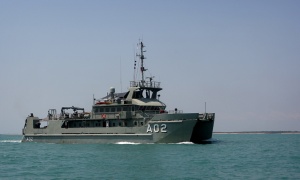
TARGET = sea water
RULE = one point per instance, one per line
(231, 156)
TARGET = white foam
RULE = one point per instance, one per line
(10, 141)
(188, 142)
(125, 142)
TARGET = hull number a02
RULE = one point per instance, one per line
(157, 128)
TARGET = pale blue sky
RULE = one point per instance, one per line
(241, 57)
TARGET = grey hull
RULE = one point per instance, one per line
(176, 131)
(202, 131)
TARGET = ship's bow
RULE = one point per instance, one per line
(203, 129)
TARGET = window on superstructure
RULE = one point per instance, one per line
(119, 109)
(125, 123)
(135, 123)
(142, 108)
(120, 124)
(142, 123)
(113, 109)
(113, 124)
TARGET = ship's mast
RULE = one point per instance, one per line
(142, 57)
(143, 84)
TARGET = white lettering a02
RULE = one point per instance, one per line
(149, 128)
(156, 128)
(163, 128)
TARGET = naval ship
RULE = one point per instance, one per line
(136, 116)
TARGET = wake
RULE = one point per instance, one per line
(133, 143)
(10, 141)
(125, 142)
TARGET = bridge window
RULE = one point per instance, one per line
(113, 109)
(142, 108)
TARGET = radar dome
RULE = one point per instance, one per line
(112, 90)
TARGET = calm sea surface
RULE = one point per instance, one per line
(233, 156)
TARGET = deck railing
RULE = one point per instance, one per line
(175, 111)
(149, 84)
(207, 116)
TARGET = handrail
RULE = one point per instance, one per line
(175, 112)
(150, 84)
(207, 116)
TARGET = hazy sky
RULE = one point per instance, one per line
(240, 57)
